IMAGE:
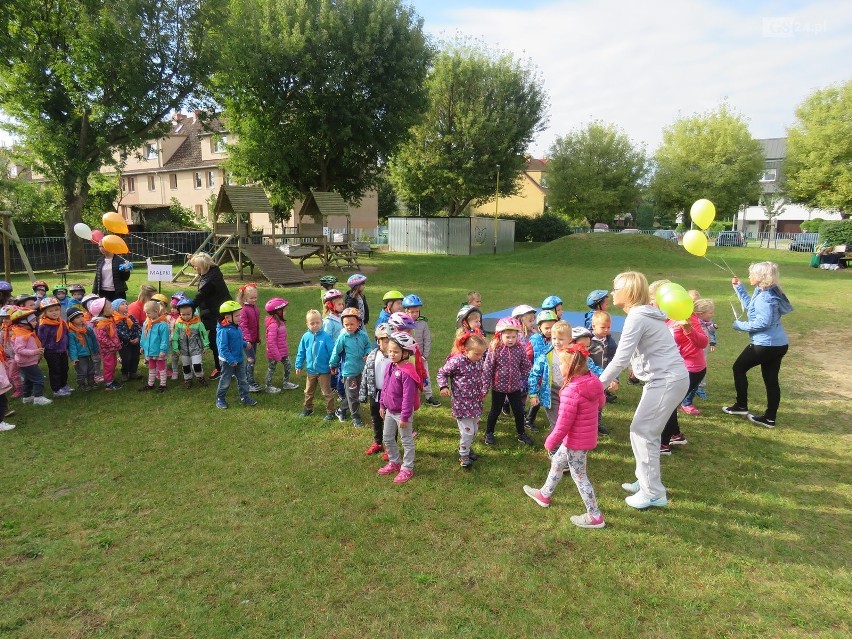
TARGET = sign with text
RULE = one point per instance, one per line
(159, 272)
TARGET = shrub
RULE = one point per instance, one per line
(812, 226)
(836, 232)
(545, 228)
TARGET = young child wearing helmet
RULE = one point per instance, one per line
(333, 305)
(597, 300)
(52, 331)
(129, 332)
(60, 292)
(154, 345)
(506, 369)
(189, 340)
(540, 344)
(26, 300)
(327, 283)
(82, 346)
(40, 290)
(76, 293)
(312, 356)
(250, 326)
(553, 303)
(372, 382)
(356, 298)
(400, 398)
(173, 363)
(108, 340)
(277, 349)
(391, 303)
(10, 365)
(469, 320)
(229, 339)
(355, 343)
(404, 323)
(412, 304)
(5, 293)
(28, 351)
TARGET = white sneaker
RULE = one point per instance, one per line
(62, 393)
(27, 400)
(6, 426)
(289, 386)
(42, 401)
(272, 390)
(67, 389)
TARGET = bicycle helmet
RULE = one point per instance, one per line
(230, 306)
(523, 309)
(39, 284)
(550, 302)
(596, 297)
(464, 313)
(508, 324)
(176, 297)
(350, 312)
(48, 301)
(6, 310)
(23, 297)
(184, 301)
(96, 306)
(5, 287)
(275, 304)
(402, 321)
(88, 298)
(580, 331)
(545, 316)
(356, 280)
(74, 312)
(411, 300)
(162, 299)
(21, 314)
(392, 295)
(331, 294)
(404, 341)
(58, 288)
(74, 288)
(383, 330)
(328, 280)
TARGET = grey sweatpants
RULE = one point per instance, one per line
(552, 412)
(352, 386)
(405, 434)
(468, 427)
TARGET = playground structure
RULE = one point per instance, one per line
(8, 232)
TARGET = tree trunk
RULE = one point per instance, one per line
(74, 214)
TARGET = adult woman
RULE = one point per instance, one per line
(111, 276)
(768, 343)
(212, 292)
(137, 308)
(648, 346)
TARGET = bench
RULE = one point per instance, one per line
(362, 247)
(64, 272)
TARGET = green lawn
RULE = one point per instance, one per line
(127, 515)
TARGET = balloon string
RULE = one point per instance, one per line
(716, 265)
(156, 244)
(730, 270)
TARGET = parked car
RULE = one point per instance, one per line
(666, 234)
(600, 227)
(631, 231)
(805, 242)
(731, 238)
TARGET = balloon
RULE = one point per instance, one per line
(673, 300)
(702, 213)
(83, 231)
(115, 223)
(695, 242)
(114, 244)
(97, 236)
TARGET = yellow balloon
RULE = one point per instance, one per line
(115, 223)
(702, 213)
(673, 300)
(695, 242)
(114, 244)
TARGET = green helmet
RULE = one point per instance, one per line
(545, 316)
(229, 307)
(392, 295)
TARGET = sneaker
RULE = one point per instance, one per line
(221, 403)
(289, 386)
(690, 410)
(630, 488)
(587, 521)
(214, 374)
(678, 440)
(41, 401)
(640, 502)
(357, 423)
(665, 449)
(248, 401)
(202, 381)
(389, 468)
(161, 389)
(611, 398)
(4, 426)
(761, 421)
(635, 381)
(433, 401)
(272, 390)
(329, 417)
(473, 456)
(530, 426)
(537, 497)
(99, 379)
(255, 388)
(489, 439)
(385, 456)
(701, 393)
(112, 386)
(175, 376)
(27, 400)
(146, 387)
(307, 412)
(61, 393)
(403, 476)
(341, 414)
(187, 383)
(466, 461)
(9, 413)
(374, 448)
(526, 439)
(602, 430)
(67, 389)
(734, 409)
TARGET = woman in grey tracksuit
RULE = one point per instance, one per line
(648, 346)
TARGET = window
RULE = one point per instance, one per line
(229, 179)
(152, 183)
(131, 184)
(219, 144)
(198, 182)
(199, 210)
(151, 151)
(769, 175)
(173, 181)
(211, 179)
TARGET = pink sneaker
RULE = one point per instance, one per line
(389, 468)
(690, 410)
(537, 497)
(404, 476)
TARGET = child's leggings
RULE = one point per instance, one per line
(672, 426)
(575, 460)
(156, 368)
(192, 364)
(57, 369)
(176, 362)
(405, 434)
(468, 428)
(129, 359)
(270, 370)
(376, 417)
(251, 360)
(14, 374)
(515, 401)
(110, 360)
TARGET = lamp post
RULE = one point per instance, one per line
(496, 207)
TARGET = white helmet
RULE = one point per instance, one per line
(523, 309)
(404, 341)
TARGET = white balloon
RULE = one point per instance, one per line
(83, 231)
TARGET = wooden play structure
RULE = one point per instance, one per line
(8, 232)
(312, 218)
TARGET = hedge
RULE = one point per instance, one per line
(833, 233)
(544, 228)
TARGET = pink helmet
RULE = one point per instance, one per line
(508, 324)
(96, 306)
(275, 304)
(331, 294)
(402, 321)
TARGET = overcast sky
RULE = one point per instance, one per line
(641, 65)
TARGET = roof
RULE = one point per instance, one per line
(242, 199)
(535, 164)
(774, 148)
(188, 155)
(322, 204)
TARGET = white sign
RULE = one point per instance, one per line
(159, 272)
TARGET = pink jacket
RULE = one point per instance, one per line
(577, 423)
(250, 324)
(107, 334)
(691, 345)
(26, 350)
(276, 339)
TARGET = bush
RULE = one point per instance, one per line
(812, 226)
(835, 232)
(545, 228)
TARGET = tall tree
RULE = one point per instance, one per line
(818, 168)
(484, 109)
(83, 79)
(711, 156)
(320, 92)
(595, 172)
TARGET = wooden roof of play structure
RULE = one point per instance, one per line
(322, 204)
(242, 199)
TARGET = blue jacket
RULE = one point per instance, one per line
(332, 325)
(155, 340)
(539, 345)
(76, 350)
(384, 316)
(539, 378)
(356, 346)
(314, 353)
(229, 341)
(764, 309)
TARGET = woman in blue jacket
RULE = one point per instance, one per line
(768, 343)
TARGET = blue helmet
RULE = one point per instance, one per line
(411, 300)
(550, 302)
(596, 297)
(5, 286)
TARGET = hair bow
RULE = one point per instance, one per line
(250, 284)
(578, 348)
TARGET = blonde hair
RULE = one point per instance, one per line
(766, 273)
(635, 287)
(311, 314)
(241, 292)
(703, 305)
(694, 294)
(572, 365)
(202, 261)
(152, 306)
(561, 328)
(653, 286)
(600, 316)
(146, 291)
(472, 295)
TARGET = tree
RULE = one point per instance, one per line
(711, 156)
(773, 204)
(84, 79)
(484, 109)
(818, 167)
(319, 93)
(595, 172)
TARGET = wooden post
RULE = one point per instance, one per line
(7, 257)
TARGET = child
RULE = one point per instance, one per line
(76, 293)
(355, 298)
(250, 326)
(313, 355)
(580, 399)
(327, 283)
(372, 381)
(404, 323)
(61, 293)
(545, 379)
(506, 370)
(705, 310)
(26, 300)
(602, 347)
(129, 332)
(108, 340)
(28, 351)
(597, 300)
(277, 349)
(137, 308)
(463, 377)
(53, 333)
(155, 345)
(173, 363)
(539, 345)
(353, 341)
(5, 293)
(229, 340)
(400, 398)
(473, 299)
(190, 339)
(392, 303)
(9, 363)
(553, 303)
(469, 320)
(525, 314)
(5, 387)
(412, 304)
(334, 305)
(82, 345)
(40, 291)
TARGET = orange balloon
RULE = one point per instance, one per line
(115, 223)
(114, 244)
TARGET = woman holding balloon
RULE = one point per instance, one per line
(111, 275)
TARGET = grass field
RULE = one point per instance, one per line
(125, 515)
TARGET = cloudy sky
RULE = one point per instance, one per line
(641, 65)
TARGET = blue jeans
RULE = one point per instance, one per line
(33, 381)
(228, 371)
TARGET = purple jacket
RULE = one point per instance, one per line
(276, 339)
(507, 368)
(401, 390)
(250, 324)
(47, 335)
(467, 383)
(577, 422)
